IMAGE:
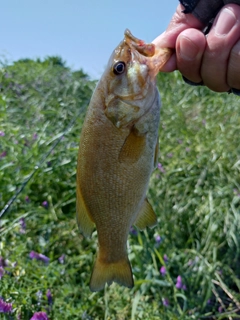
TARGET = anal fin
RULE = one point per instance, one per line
(146, 216)
(84, 220)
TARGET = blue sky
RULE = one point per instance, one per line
(82, 32)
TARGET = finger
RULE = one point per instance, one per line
(190, 46)
(233, 74)
(220, 40)
(179, 22)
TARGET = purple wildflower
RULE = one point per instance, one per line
(236, 192)
(179, 283)
(35, 136)
(158, 239)
(180, 141)
(45, 204)
(165, 302)
(5, 307)
(3, 154)
(3, 262)
(187, 149)
(160, 167)
(62, 259)
(133, 231)
(39, 297)
(39, 316)
(2, 134)
(170, 155)
(27, 199)
(38, 256)
(220, 309)
(190, 262)
(163, 271)
(165, 258)
(49, 297)
(1, 272)
(22, 225)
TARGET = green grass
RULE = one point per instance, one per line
(196, 195)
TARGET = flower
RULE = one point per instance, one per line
(179, 283)
(39, 295)
(220, 309)
(27, 199)
(3, 154)
(35, 136)
(49, 297)
(1, 272)
(62, 258)
(163, 271)
(39, 316)
(2, 134)
(165, 302)
(45, 204)
(22, 225)
(133, 231)
(3, 262)
(38, 256)
(158, 239)
(5, 307)
(165, 258)
(160, 167)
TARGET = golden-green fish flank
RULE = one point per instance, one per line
(117, 154)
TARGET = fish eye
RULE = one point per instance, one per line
(119, 67)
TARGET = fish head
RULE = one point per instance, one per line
(131, 80)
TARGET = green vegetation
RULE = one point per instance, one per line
(195, 192)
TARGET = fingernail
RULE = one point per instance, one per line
(188, 49)
(225, 22)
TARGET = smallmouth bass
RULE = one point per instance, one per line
(117, 154)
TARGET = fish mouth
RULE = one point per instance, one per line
(145, 49)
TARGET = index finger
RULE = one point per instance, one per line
(179, 22)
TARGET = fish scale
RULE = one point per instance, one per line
(117, 154)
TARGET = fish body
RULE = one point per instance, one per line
(117, 154)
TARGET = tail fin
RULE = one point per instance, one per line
(120, 272)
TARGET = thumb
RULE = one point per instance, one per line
(179, 22)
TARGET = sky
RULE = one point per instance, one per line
(83, 32)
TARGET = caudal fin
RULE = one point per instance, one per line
(120, 272)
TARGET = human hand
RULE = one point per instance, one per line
(213, 59)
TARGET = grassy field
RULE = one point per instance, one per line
(188, 267)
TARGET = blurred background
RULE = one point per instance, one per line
(83, 33)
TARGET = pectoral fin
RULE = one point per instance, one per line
(146, 216)
(84, 220)
(133, 147)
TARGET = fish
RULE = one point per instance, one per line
(117, 153)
